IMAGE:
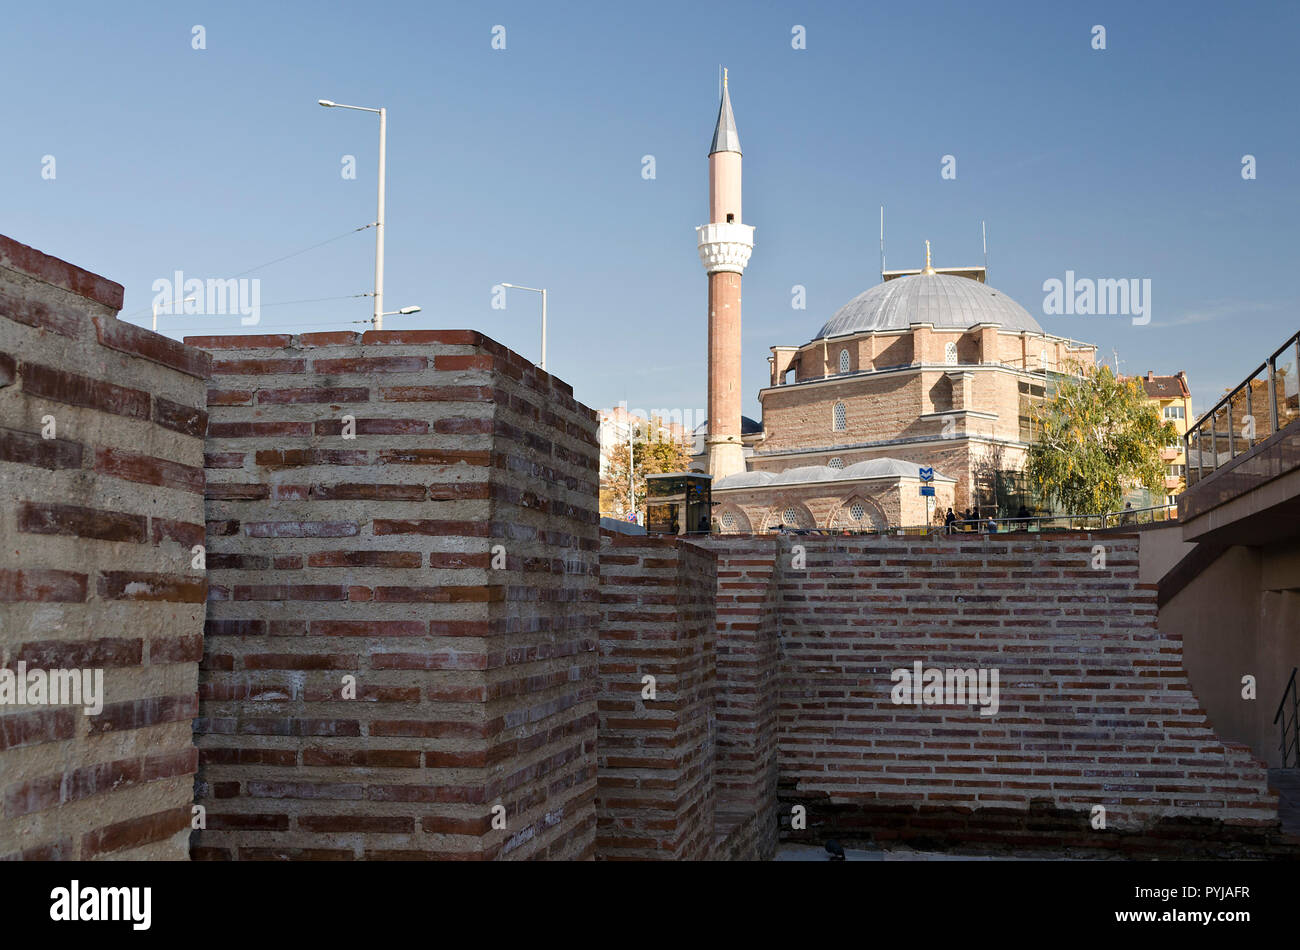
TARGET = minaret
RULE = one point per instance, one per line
(725, 245)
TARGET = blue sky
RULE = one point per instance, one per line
(524, 165)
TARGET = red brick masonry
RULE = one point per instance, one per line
(101, 479)
(373, 557)
(416, 643)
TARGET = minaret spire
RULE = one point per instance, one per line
(929, 269)
(725, 136)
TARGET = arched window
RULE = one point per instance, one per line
(836, 462)
(950, 353)
(729, 520)
(790, 517)
(857, 512)
(840, 417)
(844, 361)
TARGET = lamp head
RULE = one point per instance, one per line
(409, 310)
(326, 103)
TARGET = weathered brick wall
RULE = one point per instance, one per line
(445, 556)
(1095, 704)
(748, 655)
(656, 780)
(101, 479)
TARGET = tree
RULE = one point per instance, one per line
(1096, 436)
(647, 458)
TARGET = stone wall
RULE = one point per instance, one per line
(101, 475)
(411, 514)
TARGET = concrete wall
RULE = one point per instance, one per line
(416, 510)
(1241, 617)
(101, 475)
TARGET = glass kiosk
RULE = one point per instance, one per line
(678, 503)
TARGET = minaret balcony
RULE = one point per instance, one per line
(725, 247)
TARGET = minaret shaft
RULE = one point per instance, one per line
(724, 187)
(726, 455)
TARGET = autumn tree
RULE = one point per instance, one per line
(1097, 435)
(647, 458)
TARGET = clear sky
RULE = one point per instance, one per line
(525, 165)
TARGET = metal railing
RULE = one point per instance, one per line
(1112, 519)
(1265, 402)
(1290, 746)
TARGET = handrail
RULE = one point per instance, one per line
(1199, 428)
(1295, 719)
(1289, 686)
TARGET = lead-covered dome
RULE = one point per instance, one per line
(948, 302)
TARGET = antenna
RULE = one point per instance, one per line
(1115, 356)
(882, 242)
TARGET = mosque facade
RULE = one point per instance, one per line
(931, 369)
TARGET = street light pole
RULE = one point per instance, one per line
(378, 318)
(542, 291)
(379, 224)
(155, 311)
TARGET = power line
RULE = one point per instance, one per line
(277, 260)
(305, 250)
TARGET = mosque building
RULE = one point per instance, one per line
(930, 369)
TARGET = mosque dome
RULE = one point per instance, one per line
(947, 301)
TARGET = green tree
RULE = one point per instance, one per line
(647, 458)
(1096, 436)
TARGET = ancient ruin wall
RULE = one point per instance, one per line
(101, 475)
(410, 515)
(657, 731)
(1095, 706)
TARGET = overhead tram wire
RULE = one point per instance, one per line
(305, 250)
(337, 237)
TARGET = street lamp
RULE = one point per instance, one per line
(542, 291)
(405, 311)
(379, 221)
(155, 311)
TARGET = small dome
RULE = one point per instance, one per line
(871, 468)
(747, 427)
(948, 302)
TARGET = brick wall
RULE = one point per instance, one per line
(445, 557)
(748, 619)
(1095, 705)
(101, 473)
(656, 781)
